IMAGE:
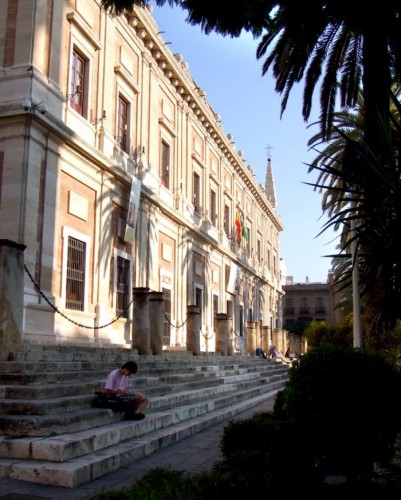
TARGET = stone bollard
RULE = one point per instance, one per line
(251, 337)
(140, 321)
(193, 329)
(230, 336)
(265, 339)
(156, 321)
(11, 297)
(221, 333)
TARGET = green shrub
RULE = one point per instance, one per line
(342, 410)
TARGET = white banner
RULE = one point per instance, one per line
(233, 280)
(133, 210)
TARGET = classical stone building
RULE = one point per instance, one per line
(309, 301)
(116, 175)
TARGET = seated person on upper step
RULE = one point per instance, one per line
(117, 385)
(276, 354)
(261, 353)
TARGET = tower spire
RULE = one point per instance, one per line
(269, 184)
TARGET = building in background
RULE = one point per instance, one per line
(116, 174)
(306, 302)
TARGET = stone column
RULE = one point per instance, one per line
(230, 336)
(251, 346)
(265, 339)
(221, 333)
(11, 297)
(140, 321)
(193, 329)
(156, 322)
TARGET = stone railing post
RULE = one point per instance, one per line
(156, 321)
(221, 333)
(140, 321)
(193, 329)
(251, 337)
(11, 297)
(230, 336)
(265, 339)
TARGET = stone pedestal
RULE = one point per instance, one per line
(230, 336)
(11, 297)
(265, 338)
(193, 330)
(251, 340)
(156, 322)
(221, 333)
(140, 321)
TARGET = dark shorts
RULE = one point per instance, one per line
(126, 398)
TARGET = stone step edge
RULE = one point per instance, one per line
(78, 471)
(190, 398)
(64, 447)
(221, 380)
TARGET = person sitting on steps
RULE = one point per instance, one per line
(261, 353)
(117, 385)
(276, 354)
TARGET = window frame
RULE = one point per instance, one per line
(78, 78)
(123, 122)
(196, 181)
(165, 164)
(213, 207)
(66, 233)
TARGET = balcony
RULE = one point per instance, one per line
(320, 310)
(304, 310)
(289, 310)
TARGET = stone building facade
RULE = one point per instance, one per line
(310, 301)
(97, 113)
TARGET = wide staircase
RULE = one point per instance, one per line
(50, 434)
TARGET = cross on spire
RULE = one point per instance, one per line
(268, 149)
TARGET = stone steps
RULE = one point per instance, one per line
(90, 466)
(49, 433)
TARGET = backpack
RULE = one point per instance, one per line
(101, 400)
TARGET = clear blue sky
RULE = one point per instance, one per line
(227, 69)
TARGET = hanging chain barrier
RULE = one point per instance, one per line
(206, 336)
(171, 324)
(86, 326)
(65, 316)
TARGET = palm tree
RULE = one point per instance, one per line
(345, 200)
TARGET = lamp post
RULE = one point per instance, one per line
(352, 164)
(356, 307)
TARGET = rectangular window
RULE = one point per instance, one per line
(196, 192)
(166, 316)
(122, 123)
(289, 306)
(123, 275)
(227, 220)
(75, 283)
(213, 207)
(304, 308)
(77, 82)
(320, 306)
(248, 241)
(258, 250)
(165, 166)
